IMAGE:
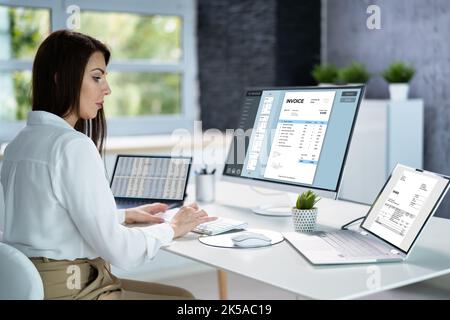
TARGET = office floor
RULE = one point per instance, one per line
(204, 286)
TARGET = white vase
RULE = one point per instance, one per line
(398, 91)
(304, 220)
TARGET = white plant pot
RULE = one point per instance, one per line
(398, 91)
(304, 220)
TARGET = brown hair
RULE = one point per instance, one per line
(58, 72)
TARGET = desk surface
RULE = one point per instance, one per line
(282, 266)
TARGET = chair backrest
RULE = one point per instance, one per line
(2, 209)
(19, 278)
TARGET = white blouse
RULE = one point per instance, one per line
(58, 203)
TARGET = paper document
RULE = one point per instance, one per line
(403, 206)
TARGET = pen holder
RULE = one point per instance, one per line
(205, 187)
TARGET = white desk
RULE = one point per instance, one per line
(281, 266)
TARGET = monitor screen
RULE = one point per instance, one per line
(294, 136)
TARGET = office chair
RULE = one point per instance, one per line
(19, 278)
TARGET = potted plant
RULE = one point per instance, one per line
(355, 74)
(325, 74)
(304, 214)
(398, 75)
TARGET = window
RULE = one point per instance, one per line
(152, 73)
(148, 40)
(21, 32)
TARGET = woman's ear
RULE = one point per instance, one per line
(55, 78)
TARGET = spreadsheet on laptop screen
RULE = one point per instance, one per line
(150, 178)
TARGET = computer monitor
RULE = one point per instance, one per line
(293, 139)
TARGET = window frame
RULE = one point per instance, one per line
(186, 67)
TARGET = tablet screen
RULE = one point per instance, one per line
(403, 207)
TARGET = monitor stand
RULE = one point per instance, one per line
(274, 210)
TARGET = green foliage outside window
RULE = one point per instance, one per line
(143, 38)
(143, 94)
(149, 39)
(132, 36)
(28, 28)
(22, 84)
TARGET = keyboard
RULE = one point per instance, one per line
(211, 228)
(220, 225)
(130, 203)
(351, 244)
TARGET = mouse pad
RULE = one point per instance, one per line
(224, 240)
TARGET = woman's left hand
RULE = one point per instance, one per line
(145, 213)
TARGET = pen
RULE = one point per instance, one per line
(204, 170)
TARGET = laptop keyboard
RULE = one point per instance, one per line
(124, 203)
(131, 202)
(351, 244)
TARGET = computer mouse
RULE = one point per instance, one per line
(251, 239)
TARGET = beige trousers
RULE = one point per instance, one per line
(85, 279)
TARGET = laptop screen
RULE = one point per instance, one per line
(408, 199)
(150, 177)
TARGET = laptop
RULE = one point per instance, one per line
(139, 180)
(389, 230)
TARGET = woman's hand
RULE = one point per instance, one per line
(145, 213)
(188, 218)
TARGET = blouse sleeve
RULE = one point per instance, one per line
(80, 185)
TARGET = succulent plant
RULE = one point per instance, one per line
(306, 200)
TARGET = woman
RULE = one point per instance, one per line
(59, 209)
